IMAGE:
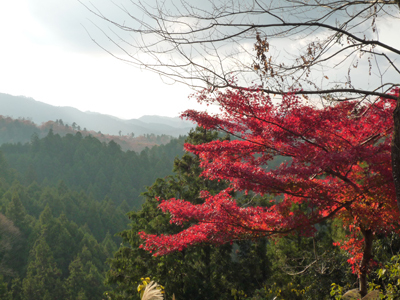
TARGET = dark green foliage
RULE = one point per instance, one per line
(203, 272)
(89, 165)
(47, 231)
(43, 278)
(10, 237)
(60, 210)
(40, 247)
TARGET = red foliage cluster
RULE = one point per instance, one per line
(339, 167)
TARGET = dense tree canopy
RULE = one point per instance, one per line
(60, 210)
(87, 164)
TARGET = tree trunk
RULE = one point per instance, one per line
(367, 255)
(396, 151)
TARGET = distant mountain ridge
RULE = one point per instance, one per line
(39, 112)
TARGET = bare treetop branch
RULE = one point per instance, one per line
(317, 47)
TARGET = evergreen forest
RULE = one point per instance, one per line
(71, 208)
(21, 131)
(62, 200)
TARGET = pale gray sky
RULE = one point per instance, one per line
(46, 54)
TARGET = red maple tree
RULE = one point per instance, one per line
(338, 167)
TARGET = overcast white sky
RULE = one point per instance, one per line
(47, 55)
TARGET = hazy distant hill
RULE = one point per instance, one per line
(22, 131)
(174, 122)
(39, 112)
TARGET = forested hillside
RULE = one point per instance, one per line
(62, 200)
(54, 240)
(21, 131)
(65, 233)
(86, 164)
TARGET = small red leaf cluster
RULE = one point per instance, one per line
(338, 167)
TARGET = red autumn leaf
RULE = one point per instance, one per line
(339, 168)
